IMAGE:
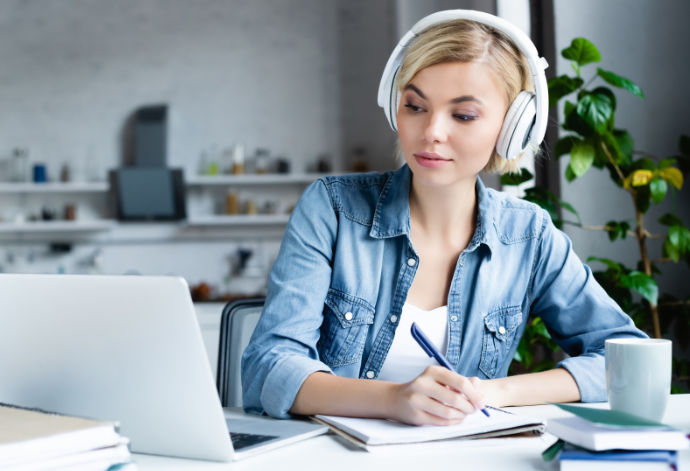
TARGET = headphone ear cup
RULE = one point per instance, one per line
(392, 108)
(517, 126)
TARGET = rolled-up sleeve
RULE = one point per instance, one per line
(282, 352)
(577, 311)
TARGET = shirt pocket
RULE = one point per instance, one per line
(346, 323)
(500, 326)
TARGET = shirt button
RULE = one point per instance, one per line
(411, 262)
(394, 319)
(370, 374)
(454, 318)
(348, 316)
(502, 330)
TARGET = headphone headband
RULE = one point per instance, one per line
(387, 94)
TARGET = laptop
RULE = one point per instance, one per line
(125, 349)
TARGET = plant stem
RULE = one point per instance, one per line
(646, 263)
(609, 228)
(615, 165)
(592, 79)
(676, 303)
(641, 234)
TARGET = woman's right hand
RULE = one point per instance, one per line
(438, 396)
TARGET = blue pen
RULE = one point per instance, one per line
(430, 350)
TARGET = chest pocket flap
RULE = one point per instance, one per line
(503, 322)
(499, 333)
(346, 323)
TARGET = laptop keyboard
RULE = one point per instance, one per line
(243, 440)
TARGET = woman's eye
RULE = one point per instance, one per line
(464, 117)
(413, 108)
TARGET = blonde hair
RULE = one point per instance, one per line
(470, 41)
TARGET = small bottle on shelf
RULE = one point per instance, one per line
(238, 160)
(232, 202)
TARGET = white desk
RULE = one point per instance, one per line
(327, 452)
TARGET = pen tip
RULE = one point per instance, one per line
(485, 412)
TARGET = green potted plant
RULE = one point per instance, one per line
(591, 139)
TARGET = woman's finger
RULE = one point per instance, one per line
(466, 386)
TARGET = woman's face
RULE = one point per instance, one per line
(449, 119)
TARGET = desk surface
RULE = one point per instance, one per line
(328, 452)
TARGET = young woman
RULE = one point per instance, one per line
(364, 255)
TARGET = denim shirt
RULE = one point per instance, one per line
(345, 267)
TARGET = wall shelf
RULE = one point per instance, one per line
(45, 227)
(54, 187)
(238, 219)
(201, 224)
(253, 179)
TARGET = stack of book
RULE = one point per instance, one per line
(603, 439)
(33, 440)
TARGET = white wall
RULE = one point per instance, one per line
(647, 42)
(230, 71)
(297, 77)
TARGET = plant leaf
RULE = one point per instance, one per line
(516, 178)
(674, 236)
(569, 174)
(581, 157)
(568, 207)
(669, 219)
(645, 163)
(617, 229)
(673, 176)
(563, 145)
(540, 328)
(573, 122)
(679, 236)
(671, 251)
(658, 188)
(639, 177)
(582, 52)
(610, 143)
(625, 143)
(596, 109)
(547, 200)
(665, 163)
(615, 266)
(643, 284)
(562, 86)
(620, 82)
(609, 93)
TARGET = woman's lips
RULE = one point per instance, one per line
(430, 160)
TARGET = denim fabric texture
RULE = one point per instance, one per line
(346, 263)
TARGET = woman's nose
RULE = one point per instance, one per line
(436, 128)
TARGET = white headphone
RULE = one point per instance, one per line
(525, 121)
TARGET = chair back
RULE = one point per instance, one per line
(237, 324)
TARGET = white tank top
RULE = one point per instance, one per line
(406, 359)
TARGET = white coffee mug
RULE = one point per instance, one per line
(638, 376)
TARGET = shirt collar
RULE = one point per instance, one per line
(485, 232)
(392, 214)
